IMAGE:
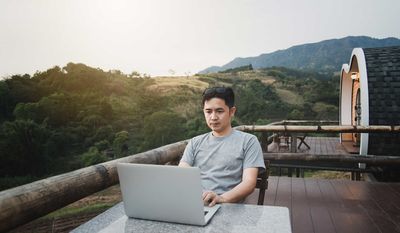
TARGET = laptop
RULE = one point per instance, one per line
(164, 193)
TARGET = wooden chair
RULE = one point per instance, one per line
(284, 141)
(302, 139)
(262, 183)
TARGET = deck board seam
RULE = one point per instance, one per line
(308, 204)
(365, 210)
(387, 214)
(328, 209)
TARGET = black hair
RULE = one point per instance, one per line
(225, 93)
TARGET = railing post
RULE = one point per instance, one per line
(264, 141)
(293, 143)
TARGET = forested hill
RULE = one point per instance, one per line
(66, 118)
(325, 56)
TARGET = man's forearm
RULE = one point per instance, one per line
(244, 188)
(238, 193)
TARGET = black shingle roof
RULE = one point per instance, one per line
(383, 69)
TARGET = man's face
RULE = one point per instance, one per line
(218, 116)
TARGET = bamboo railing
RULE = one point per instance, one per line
(320, 128)
(27, 202)
(368, 159)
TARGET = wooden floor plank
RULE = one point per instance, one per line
(270, 193)
(338, 211)
(321, 218)
(336, 205)
(284, 192)
(388, 201)
(324, 148)
(361, 221)
(379, 216)
(301, 213)
(396, 190)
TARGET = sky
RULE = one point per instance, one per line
(175, 37)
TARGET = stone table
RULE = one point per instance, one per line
(229, 218)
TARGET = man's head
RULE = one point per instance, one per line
(225, 93)
(218, 107)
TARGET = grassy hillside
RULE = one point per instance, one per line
(174, 84)
(65, 118)
(266, 94)
(290, 97)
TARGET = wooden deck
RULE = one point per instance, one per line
(320, 146)
(322, 205)
(319, 205)
(323, 145)
(317, 146)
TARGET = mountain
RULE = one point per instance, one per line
(324, 56)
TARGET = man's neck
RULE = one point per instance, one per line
(224, 133)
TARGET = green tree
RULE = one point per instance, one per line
(25, 145)
(161, 128)
(296, 115)
(6, 102)
(93, 156)
(256, 101)
(120, 144)
(196, 126)
(28, 111)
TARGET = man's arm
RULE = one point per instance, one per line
(238, 193)
(183, 164)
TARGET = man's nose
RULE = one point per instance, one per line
(214, 116)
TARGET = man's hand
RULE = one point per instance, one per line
(210, 198)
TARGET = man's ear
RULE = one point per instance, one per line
(232, 111)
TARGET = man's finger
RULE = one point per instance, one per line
(207, 198)
(213, 202)
(205, 193)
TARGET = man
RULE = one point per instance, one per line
(228, 159)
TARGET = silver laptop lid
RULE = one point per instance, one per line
(164, 193)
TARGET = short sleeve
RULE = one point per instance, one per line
(253, 154)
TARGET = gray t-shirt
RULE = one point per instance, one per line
(222, 159)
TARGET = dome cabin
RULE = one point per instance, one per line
(370, 95)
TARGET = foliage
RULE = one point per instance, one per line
(120, 144)
(256, 100)
(93, 156)
(162, 128)
(196, 126)
(9, 182)
(68, 117)
(241, 68)
(24, 148)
